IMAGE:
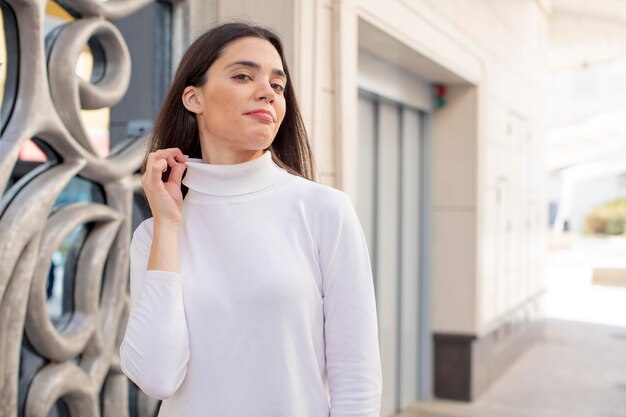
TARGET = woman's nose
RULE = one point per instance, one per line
(265, 91)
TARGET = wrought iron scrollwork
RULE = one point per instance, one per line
(78, 362)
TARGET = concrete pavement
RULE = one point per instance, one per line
(578, 368)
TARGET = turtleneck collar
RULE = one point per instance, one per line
(235, 179)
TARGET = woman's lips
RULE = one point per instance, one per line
(261, 115)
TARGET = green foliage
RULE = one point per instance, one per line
(608, 219)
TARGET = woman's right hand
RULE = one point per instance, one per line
(165, 198)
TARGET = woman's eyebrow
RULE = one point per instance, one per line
(254, 65)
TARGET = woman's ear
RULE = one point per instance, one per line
(192, 99)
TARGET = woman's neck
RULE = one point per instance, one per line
(222, 155)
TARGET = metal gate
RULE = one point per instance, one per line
(70, 148)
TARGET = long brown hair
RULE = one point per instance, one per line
(175, 126)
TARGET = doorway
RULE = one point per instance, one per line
(389, 203)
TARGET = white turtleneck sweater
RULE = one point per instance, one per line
(273, 311)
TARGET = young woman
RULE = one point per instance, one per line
(253, 295)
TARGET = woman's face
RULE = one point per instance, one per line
(241, 106)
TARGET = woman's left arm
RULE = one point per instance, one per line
(350, 323)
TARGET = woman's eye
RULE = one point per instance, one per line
(278, 87)
(242, 77)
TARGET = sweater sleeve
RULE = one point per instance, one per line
(155, 349)
(350, 323)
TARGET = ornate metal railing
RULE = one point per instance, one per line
(70, 365)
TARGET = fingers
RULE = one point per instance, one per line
(178, 168)
(152, 175)
(157, 163)
(164, 153)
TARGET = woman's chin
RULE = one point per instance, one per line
(259, 144)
